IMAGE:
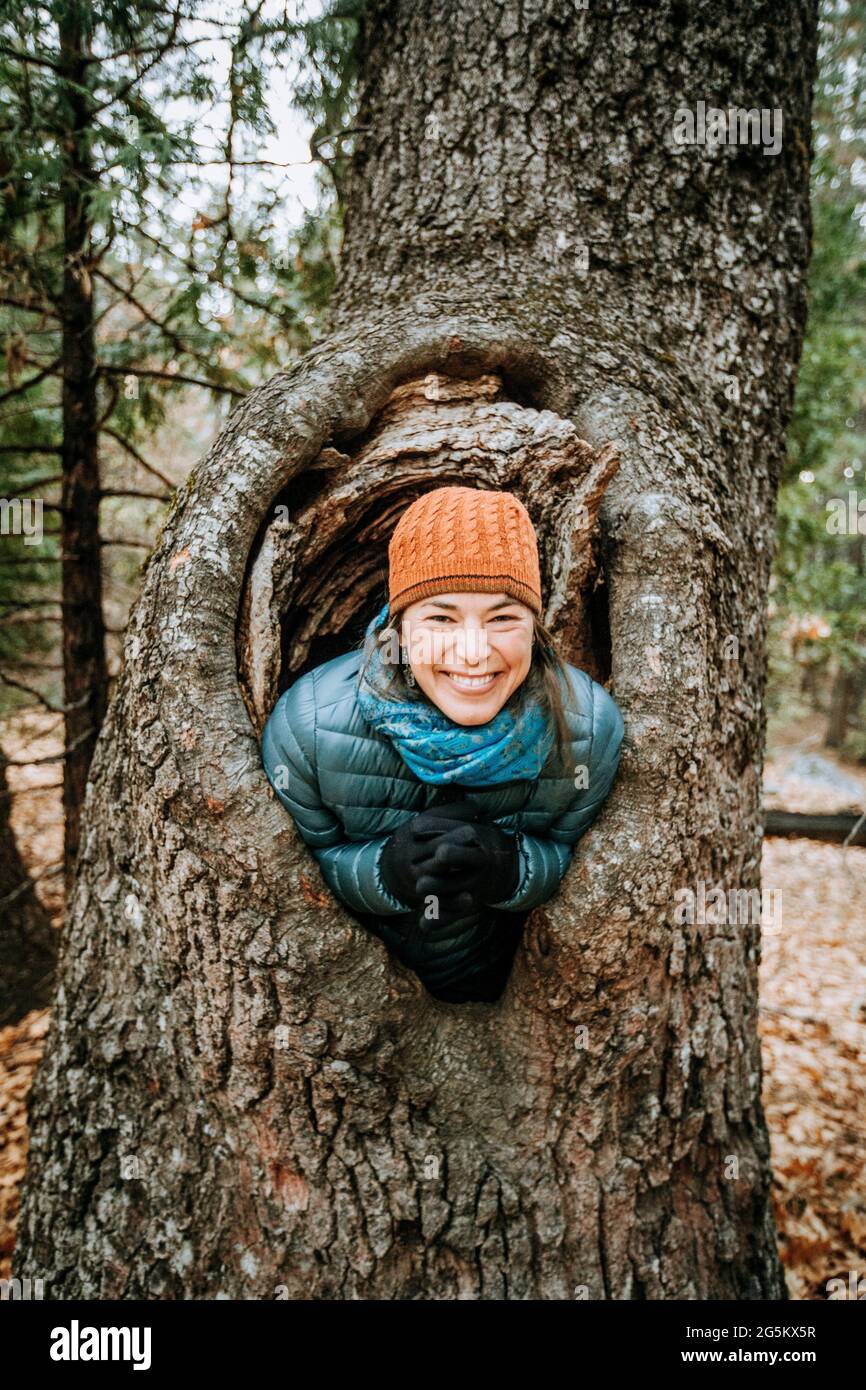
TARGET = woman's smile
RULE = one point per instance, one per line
(472, 685)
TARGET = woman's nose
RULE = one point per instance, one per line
(471, 645)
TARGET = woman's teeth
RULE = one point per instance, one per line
(471, 682)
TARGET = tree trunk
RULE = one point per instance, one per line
(28, 942)
(849, 682)
(84, 669)
(841, 700)
(242, 1093)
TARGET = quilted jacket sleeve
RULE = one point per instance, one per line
(349, 867)
(544, 859)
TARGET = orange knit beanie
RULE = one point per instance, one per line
(462, 539)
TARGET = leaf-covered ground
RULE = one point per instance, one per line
(813, 1036)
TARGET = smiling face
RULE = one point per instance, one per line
(468, 652)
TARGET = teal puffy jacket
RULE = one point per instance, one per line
(348, 788)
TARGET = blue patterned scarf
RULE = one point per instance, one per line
(505, 749)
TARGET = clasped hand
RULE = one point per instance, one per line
(447, 852)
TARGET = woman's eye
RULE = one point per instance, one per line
(446, 618)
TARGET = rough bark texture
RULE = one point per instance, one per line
(295, 1113)
(28, 942)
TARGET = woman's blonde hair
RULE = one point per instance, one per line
(546, 680)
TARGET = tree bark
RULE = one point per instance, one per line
(85, 680)
(242, 1094)
(28, 942)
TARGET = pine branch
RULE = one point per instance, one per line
(37, 695)
(29, 308)
(131, 492)
(33, 381)
(158, 54)
(195, 269)
(52, 757)
(180, 347)
(33, 449)
(31, 58)
(49, 872)
(143, 463)
(158, 375)
(30, 560)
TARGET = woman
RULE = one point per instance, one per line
(443, 775)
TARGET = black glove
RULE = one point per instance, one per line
(408, 854)
(479, 860)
